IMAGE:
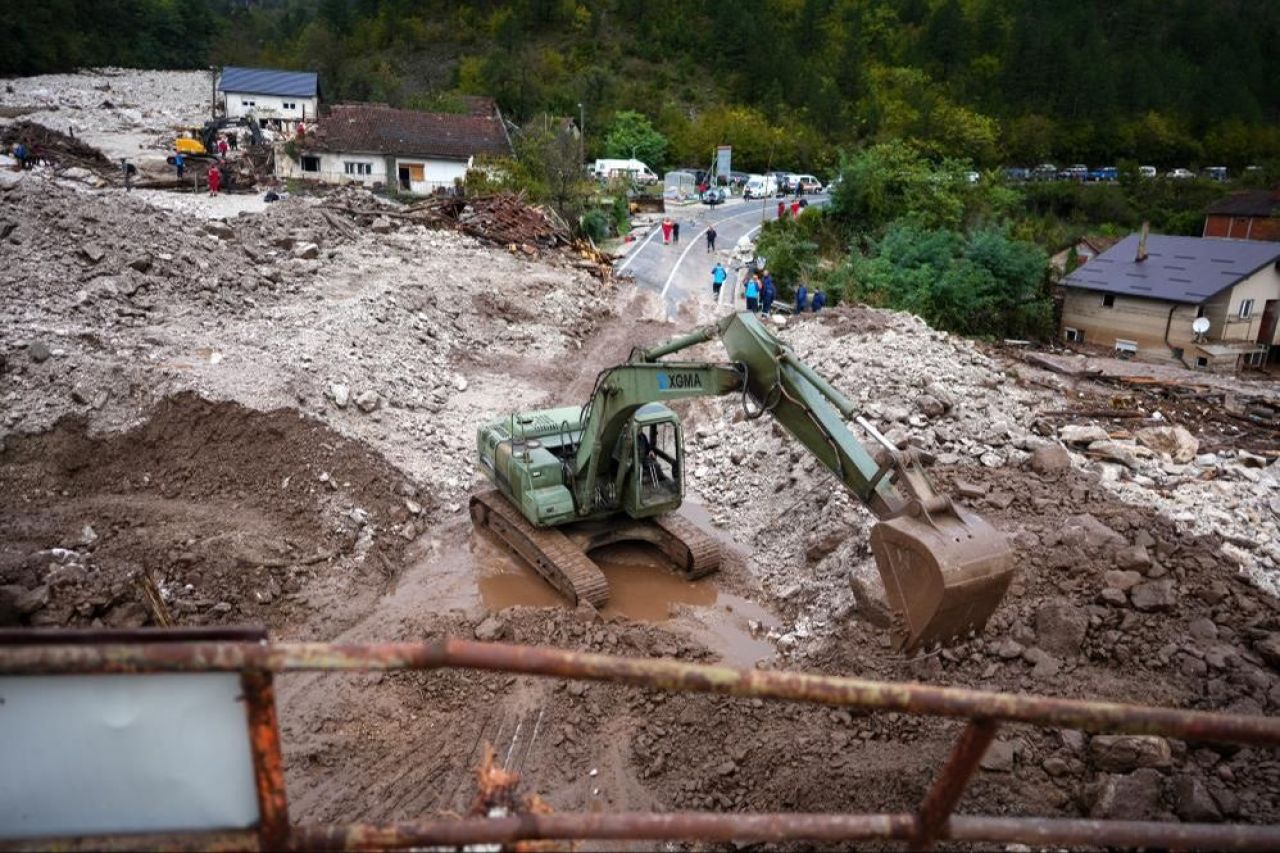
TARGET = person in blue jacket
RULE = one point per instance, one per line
(718, 276)
(767, 293)
(802, 295)
(819, 299)
(752, 292)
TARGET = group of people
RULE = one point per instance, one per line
(27, 156)
(670, 231)
(760, 291)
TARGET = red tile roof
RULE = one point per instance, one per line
(379, 129)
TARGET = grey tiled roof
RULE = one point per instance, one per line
(267, 81)
(1177, 269)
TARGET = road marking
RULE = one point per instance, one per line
(631, 257)
(694, 242)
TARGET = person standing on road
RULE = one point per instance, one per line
(180, 163)
(675, 231)
(222, 147)
(819, 299)
(215, 179)
(795, 209)
(666, 231)
(711, 239)
(802, 294)
(718, 276)
(752, 292)
(767, 293)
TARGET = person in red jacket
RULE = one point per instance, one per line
(215, 180)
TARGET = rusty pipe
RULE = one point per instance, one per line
(644, 672)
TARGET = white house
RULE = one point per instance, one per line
(268, 94)
(413, 151)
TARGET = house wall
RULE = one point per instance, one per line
(436, 174)
(270, 106)
(1223, 310)
(1130, 318)
(1242, 227)
(383, 169)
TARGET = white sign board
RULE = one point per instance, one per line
(103, 754)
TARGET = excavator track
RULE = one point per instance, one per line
(695, 553)
(552, 554)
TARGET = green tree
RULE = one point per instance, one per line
(893, 181)
(631, 134)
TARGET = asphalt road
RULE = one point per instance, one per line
(682, 271)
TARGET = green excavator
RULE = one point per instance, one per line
(570, 480)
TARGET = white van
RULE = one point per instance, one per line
(760, 186)
(614, 168)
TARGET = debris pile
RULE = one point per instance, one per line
(57, 149)
(505, 219)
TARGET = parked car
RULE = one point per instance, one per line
(1215, 173)
(1076, 172)
(1180, 174)
(805, 184)
(1044, 172)
(737, 179)
(714, 196)
(1017, 173)
(1107, 174)
(972, 177)
(1147, 171)
(760, 186)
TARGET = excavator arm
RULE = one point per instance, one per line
(945, 570)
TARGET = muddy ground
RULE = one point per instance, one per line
(284, 437)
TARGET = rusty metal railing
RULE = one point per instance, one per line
(932, 821)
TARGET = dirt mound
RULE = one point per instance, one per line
(237, 515)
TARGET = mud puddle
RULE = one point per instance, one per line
(642, 588)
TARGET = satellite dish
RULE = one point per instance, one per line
(1200, 326)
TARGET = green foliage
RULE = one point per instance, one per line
(787, 82)
(790, 252)
(594, 224)
(985, 284)
(631, 134)
(893, 181)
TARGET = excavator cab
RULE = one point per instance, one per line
(657, 462)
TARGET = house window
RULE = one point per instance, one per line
(1202, 361)
(247, 103)
(289, 105)
(1109, 301)
(1073, 335)
(352, 167)
(1199, 311)
(1246, 309)
(310, 164)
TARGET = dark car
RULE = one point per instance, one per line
(713, 196)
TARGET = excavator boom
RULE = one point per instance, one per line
(944, 569)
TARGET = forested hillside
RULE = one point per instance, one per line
(1174, 82)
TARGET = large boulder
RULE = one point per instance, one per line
(1061, 627)
(1082, 434)
(1132, 797)
(1049, 459)
(1172, 441)
(1123, 753)
(1153, 596)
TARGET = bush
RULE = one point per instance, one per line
(985, 284)
(594, 224)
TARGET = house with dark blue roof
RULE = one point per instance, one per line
(1208, 303)
(266, 93)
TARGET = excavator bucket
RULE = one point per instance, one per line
(944, 574)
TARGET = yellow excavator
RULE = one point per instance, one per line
(569, 480)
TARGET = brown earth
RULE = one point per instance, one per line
(348, 523)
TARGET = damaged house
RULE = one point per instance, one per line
(1208, 303)
(414, 152)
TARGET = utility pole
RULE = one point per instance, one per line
(213, 91)
(582, 134)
